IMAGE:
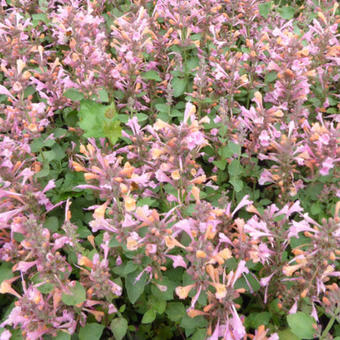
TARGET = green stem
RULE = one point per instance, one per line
(330, 324)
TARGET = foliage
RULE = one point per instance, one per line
(169, 169)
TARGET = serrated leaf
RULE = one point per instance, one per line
(119, 328)
(221, 163)
(149, 316)
(142, 117)
(77, 295)
(179, 85)
(103, 96)
(5, 271)
(234, 148)
(151, 75)
(175, 311)
(157, 305)
(91, 331)
(46, 288)
(301, 325)
(287, 12)
(236, 183)
(91, 116)
(235, 168)
(73, 94)
(162, 107)
(193, 323)
(168, 294)
(270, 77)
(62, 336)
(135, 288)
(112, 131)
(265, 8)
(98, 120)
(200, 334)
(125, 269)
(254, 320)
(286, 334)
(39, 17)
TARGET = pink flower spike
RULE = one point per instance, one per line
(214, 336)
(224, 239)
(293, 309)
(241, 268)
(190, 110)
(238, 329)
(299, 227)
(5, 335)
(314, 313)
(112, 309)
(326, 166)
(244, 202)
(24, 266)
(178, 261)
(195, 298)
(4, 91)
(50, 185)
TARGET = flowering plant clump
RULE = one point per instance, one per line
(169, 169)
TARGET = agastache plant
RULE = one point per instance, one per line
(169, 169)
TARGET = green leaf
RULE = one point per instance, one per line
(17, 334)
(168, 294)
(179, 85)
(200, 334)
(157, 305)
(244, 282)
(98, 120)
(77, 295)
(142, 117)
(5, 271)
(234, 148)
(235, 168)
(191, 64)
(39, 17)
(91, 331)
(151, 75)
(162, 107)
(103, 96)
(125, 269)
(46, 288)
(265, 8)
(175, 311)
(236, 183)
(221, 164)
(119, 328)
(73, 94)
(91, 115)
(112, 131)
(193, 323)
(270, 77)
(301, 325)
(287, 12)
(315, 208)
(254, 320)
(287, 335)
(225, 152)
(135, 288)
(149, 316)
(147, 201)
(62, 336)
(49, 155)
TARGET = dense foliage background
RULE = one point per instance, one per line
(169, 169)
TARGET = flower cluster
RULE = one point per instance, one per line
(169, 169)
